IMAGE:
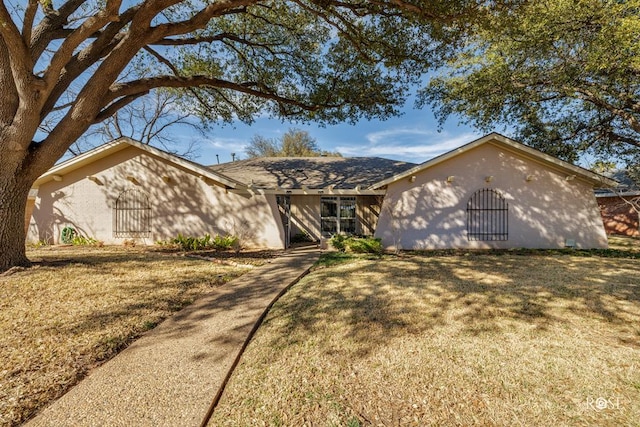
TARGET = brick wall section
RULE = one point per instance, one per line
(618, 217)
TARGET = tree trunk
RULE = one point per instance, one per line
(14, 192)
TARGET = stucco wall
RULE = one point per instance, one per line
(543, 212)
(27, 213)
(181, 203)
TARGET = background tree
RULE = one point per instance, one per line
(149, 120)
(564, 75)
(66, 65)
(294, 143)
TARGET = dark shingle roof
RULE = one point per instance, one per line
(624, 180)
(626, 185)
(312, 172)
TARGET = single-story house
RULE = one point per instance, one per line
(490, 193)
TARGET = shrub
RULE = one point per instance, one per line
(70, 236)
(364, 245)
(86, 241)
(191, 243)
(224, 243)
(361, 245)
(338, 242)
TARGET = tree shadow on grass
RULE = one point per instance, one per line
(371, 302)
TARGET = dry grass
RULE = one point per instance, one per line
(506, 340)
(622, 243)
(78, 307)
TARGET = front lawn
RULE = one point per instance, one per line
(79, 306)
(466, 339)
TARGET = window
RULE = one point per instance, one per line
(329, 215)
(348, 215)
(487, 216)
(132, 214)
(337, 215)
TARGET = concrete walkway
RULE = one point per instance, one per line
(171, 375)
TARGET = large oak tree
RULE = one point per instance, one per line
(67, 65)
(563, 75)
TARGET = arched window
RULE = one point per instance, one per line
(487, 216)
(132, 216)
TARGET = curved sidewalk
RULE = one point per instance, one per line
(171, 375)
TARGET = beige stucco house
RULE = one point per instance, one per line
(491, 193)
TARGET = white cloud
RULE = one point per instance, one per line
(410, 144)
(397, 134)
(228, 144)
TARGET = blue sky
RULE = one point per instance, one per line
(412, 137)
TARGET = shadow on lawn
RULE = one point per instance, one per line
(373, 301)
(246, 301)
(153, 297)
(61, 256)
(151, 300)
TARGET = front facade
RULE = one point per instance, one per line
(491, 196)
(131, 191)
(491, 193)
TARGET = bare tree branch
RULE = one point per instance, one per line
(115, 106)
(187, 41)
(162, 60)
(104, 43)
(345, 30)
(589, 96)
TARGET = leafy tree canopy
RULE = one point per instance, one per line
(564, 74)
(66, 65)
(294, 143)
